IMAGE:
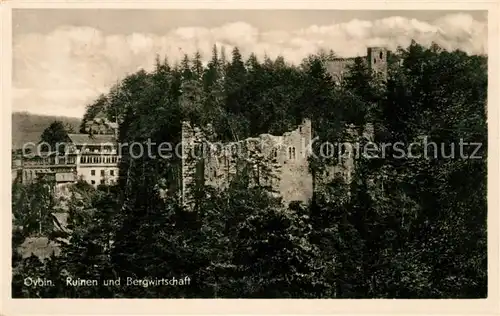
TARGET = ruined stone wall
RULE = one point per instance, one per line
(296, 182)
(278, 161)
(339, 67)
(285, 156)
(355, 138)
(376, 59)
(191, 138)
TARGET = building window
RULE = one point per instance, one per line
(111, 172)
(374, 61)
(289, 152)
(381, 55)
(102, 173)
(102, 181)
(92, 172)
(92, 181)
(293, 152)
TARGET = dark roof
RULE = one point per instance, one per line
(96, 139)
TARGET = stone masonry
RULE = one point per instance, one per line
(280, 162)
(376, 60)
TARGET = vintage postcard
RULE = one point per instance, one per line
(272, 152)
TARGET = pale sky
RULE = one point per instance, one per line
(64, 58)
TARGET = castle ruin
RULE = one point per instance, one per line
(279, 162)
(375, 59)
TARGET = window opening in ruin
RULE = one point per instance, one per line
(381, 55)
(293, 152)
(374, 61)
(328, 151)
(289, 152)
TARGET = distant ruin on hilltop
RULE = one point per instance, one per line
(375, 59)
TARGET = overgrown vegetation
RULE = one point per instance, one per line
(403, 228)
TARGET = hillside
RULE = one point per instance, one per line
(27, 127)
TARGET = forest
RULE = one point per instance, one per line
(402, 228)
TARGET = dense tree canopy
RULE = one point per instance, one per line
(402, 228)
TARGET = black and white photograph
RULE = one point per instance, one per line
(249, 154)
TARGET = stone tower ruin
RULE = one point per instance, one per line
(284, 158)
(376, 60)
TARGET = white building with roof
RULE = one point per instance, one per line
(97, 158)
(91, 157)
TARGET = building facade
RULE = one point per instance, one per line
(97, 158)
(50, 165)
(91, 157)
